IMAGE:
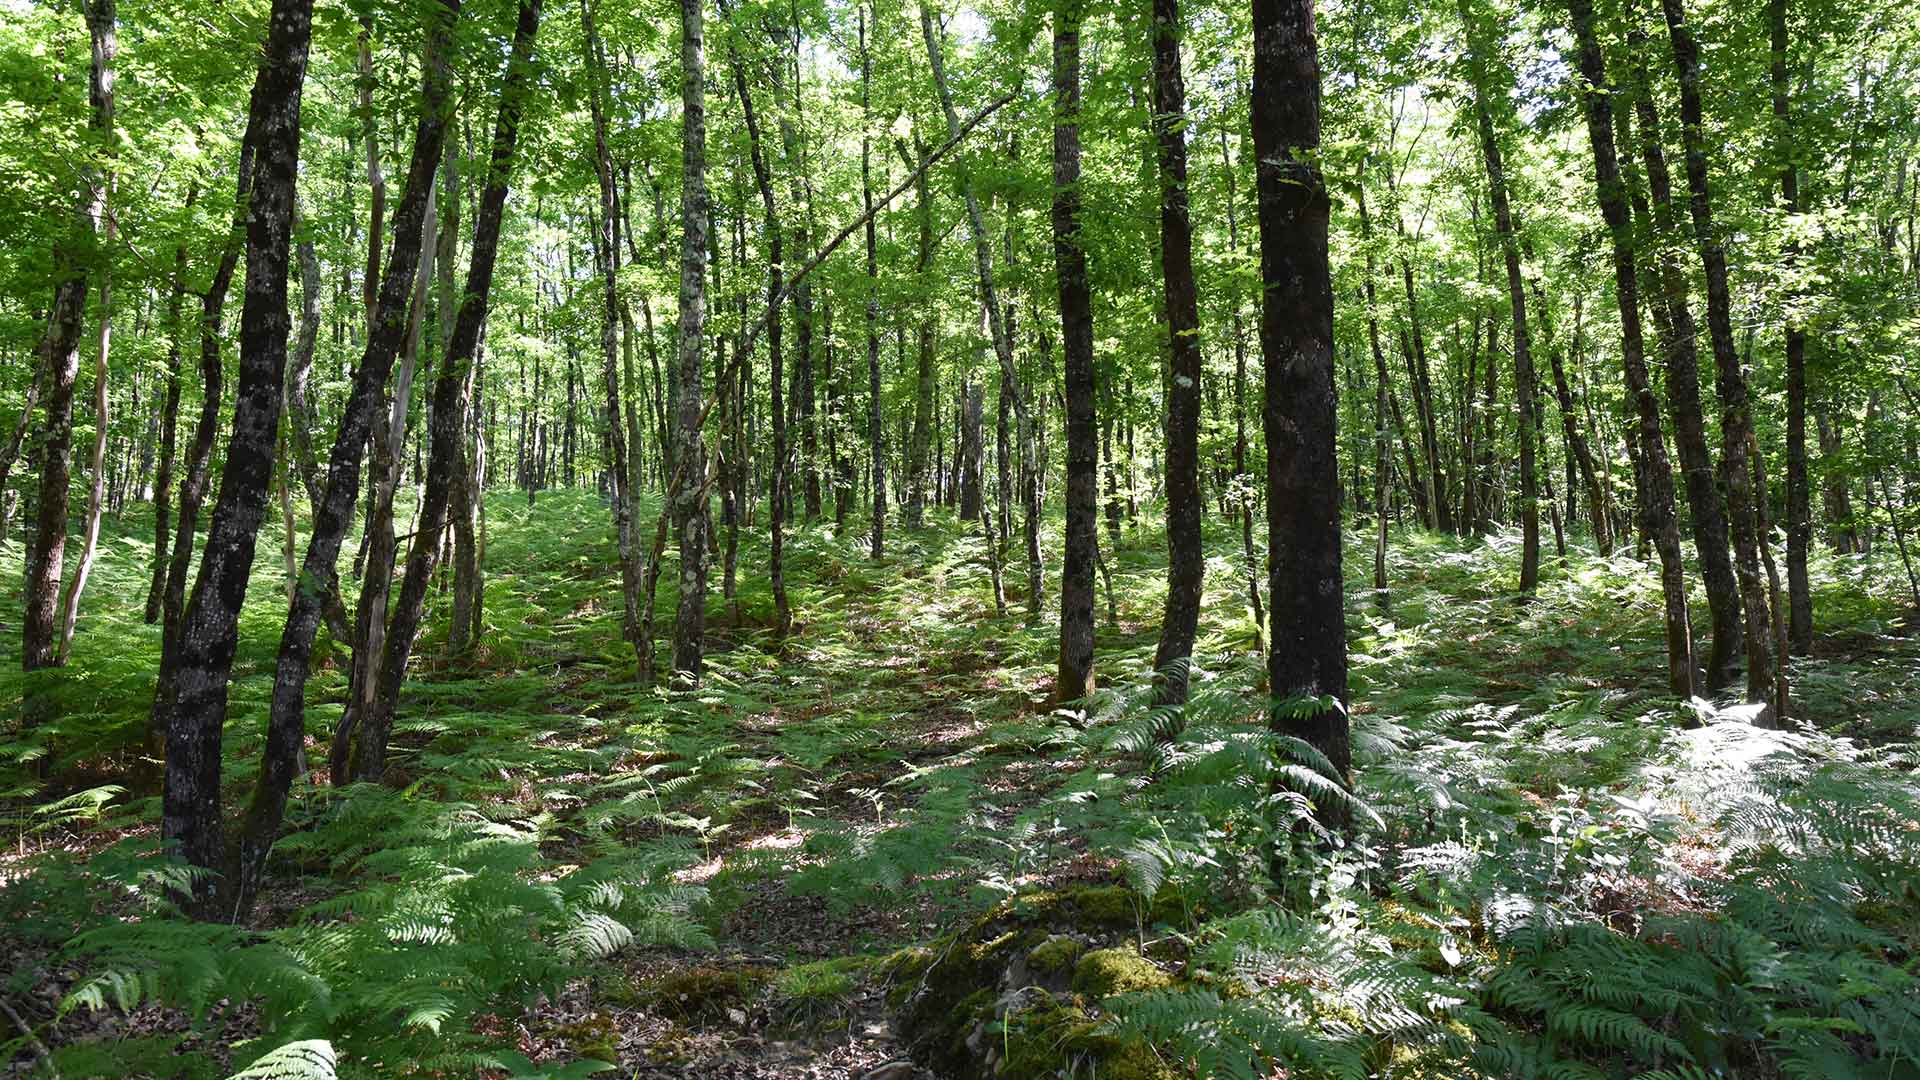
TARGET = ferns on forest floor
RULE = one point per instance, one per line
(1559, 875)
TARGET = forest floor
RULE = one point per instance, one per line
(810, 811)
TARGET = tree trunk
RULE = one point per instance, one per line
(169, 426)
(40, 635)
(1799, 498)
(1076, 679)
(996, 322)
(1307, 652)
(444, 423)
(1655, 475)
(1730, 383)
(193, 485)
(1524, 386)
(207, 638)
(690, 496)
(1185, 560)
(875, 418)
(606, 247)
(1706, 504)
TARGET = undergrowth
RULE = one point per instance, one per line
(1552, 872)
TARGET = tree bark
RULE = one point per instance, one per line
(1076, 677)
(40, 636)
(190, 804)
(690, 497)
(1799, 496)
(1706, 504)
(1655, 474)
(445, 421)
(875, 419)
(1186, 562)
(1730, 382)
(1524, 384)
(1307, 652)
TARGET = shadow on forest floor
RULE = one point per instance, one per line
(566, 866)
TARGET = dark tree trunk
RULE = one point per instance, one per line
(1524, 385)
(1185, 560)
(1730, 383)
(169, 427)
(777, 518)
(1076, 678)
(368, 760)
(606, 247)
(1706, 505)
(997, 324)
(1242, 478)
(1655, 475)
(875, 419)
(1307, 653)
(1799, 497)
(1579, 451)
(193, 485)
(207, 639)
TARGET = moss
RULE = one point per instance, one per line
(1109, 905)
(705, 991)
(596, 1037)
(1057, 953)
(1055, 1037)
(1106, 972)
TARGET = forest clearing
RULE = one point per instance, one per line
(1041, 541)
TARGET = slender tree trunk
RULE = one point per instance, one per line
(1730, 383)
(875, 417)
(193, 485)
(1076, 678)
(444, 423)
(169, 426)
(1579, 451)
(1524, 386)
(190, 804)
(1656, 478)
(689, 498)
(1185, 560)
(40, 635)
(763, 177)
(1382, 440)
(996, 322)
(1307, 653)
(1242, 479)
(606, 246)
(1706, 505)
(1799, 498)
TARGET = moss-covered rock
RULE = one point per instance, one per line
(993, 998)
(1056, 954)
(1106, 972)
(596, 1037)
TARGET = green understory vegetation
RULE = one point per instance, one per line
(1552, 872)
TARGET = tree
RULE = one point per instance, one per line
(1730, 382)
(689, 494)
(40, 636)
(1185, 561)
(1654, 474)
(190, 804)
(1524, 385)
(1307, 651)
(1075, 680)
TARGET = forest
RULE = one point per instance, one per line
(948, 539)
